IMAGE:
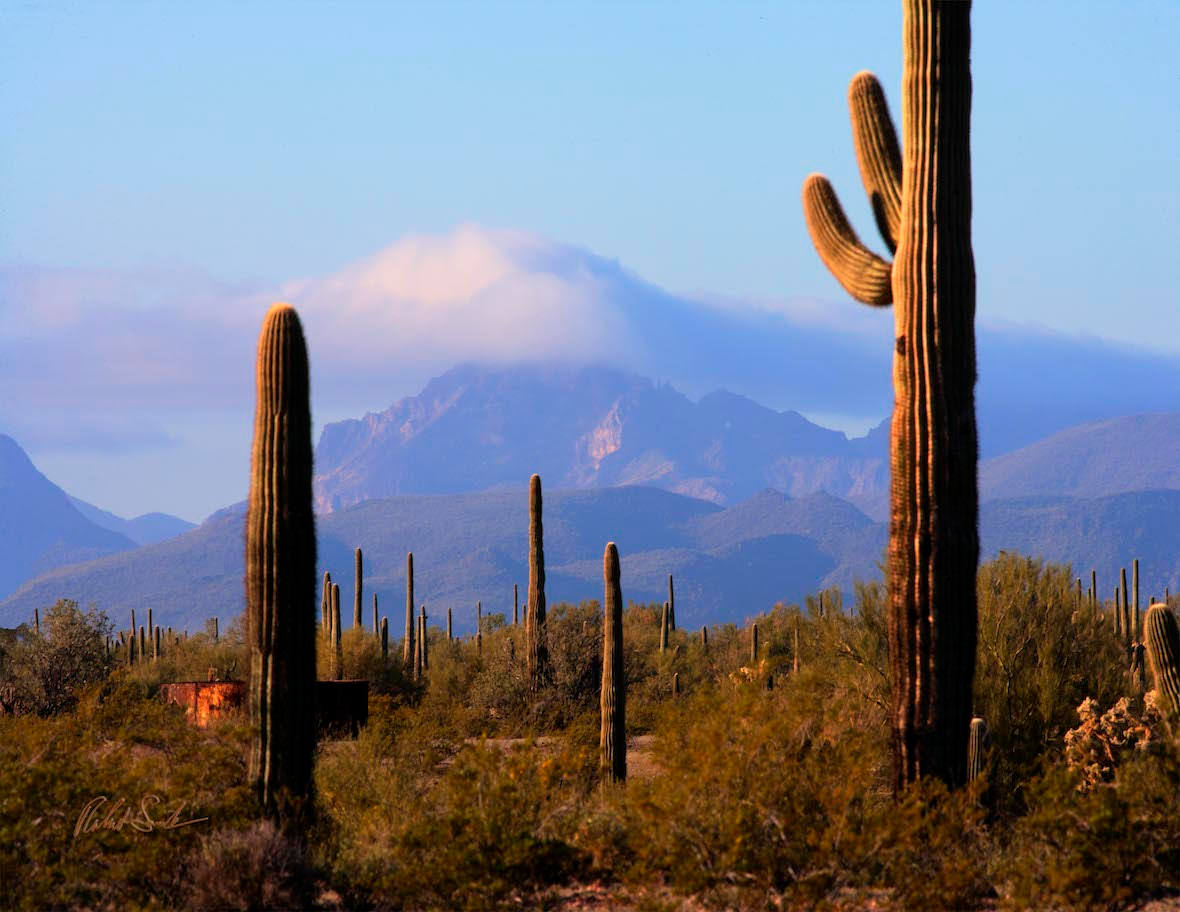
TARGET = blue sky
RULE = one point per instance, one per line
(223, 150)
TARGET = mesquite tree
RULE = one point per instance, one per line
(280, 570)
(922, 204)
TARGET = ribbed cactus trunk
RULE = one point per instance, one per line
(1136, 628)
(408, 643)
(358, 591)
(612, 740)
(1163, 651)
(425, 640)
(664, 630)
(977, 744)
(538, 650)
(337, 637)
(923, 208)
(326, 607)
(280, 570)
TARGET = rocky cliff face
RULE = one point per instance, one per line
(585, 427)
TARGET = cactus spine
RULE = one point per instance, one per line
(922, 205)
(280, 569)
(977, 744)
(613, 736)
(1163, 651)
(408, 651)
(538, 651)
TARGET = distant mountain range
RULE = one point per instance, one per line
(477, 428)
(42, 527)
(744, 504)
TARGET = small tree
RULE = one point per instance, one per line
(44, 673)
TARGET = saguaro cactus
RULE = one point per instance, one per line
(376, 617)
(515, 605)
(754, 644)
(671, 604)
(425, 640)
(326, 607)
(408, 642)
(977, 745)
(337, 637)
(613, 736)
(922, 206)
(384, 639)
(538, 650)
(357, 620)
(280, 569)
(450, 635)
(1163, 651)
(664, 629)
(1136, 627)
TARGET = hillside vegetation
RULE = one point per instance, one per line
(754, 780)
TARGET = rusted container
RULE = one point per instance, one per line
(204, 701)
(342, 707)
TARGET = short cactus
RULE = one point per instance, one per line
(675, 683)
(977, 746)
(1163, 651)
(613, 736)
(705, 639)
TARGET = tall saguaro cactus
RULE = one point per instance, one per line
(280, 569)
(538, 651)
(922, 204)
(408, 642)
(1163, 650)
(612, 740)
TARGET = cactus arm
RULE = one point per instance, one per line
(862, 273)
(877, 153)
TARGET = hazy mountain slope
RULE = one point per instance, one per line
(584, 427)
(1104, 533)
(39, 527)
(1134, 453)
(728, 563)
(143, 530)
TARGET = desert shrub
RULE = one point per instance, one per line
(117, 744)
(253, 868)
(1040, 655)
(43, 674)
(195, 658)
(761, 801)
(415, 824)
(1104, 741)
(1098, 847)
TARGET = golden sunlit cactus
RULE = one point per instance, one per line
(613, 736)
(280, 570)
(538, 650)
(922, 204)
